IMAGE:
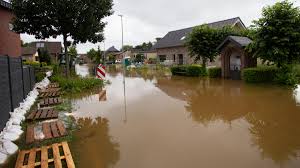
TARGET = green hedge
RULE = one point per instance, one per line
(259, 74)
(215, 72)
(188, 70)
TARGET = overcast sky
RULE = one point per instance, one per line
(144, 20)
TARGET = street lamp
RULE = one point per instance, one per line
(124, 72)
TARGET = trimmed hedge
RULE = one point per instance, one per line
(215, 72)
(259, 74)
(188, 70)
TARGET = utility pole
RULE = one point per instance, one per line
(124, 71)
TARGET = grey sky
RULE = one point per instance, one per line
(144, 20)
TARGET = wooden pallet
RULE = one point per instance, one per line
(50, 101)
(102, 95)
(49, 90)
(49, 94)
(50, 130)
(53, 85)
(41, 114)
(56, 155)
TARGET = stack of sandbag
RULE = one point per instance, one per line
(13, 130)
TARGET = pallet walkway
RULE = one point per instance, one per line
(50, 101)
(56, 155)
(42, 114)
(50, 130)
(47, 90)
(53, 85)
(49, 94)
(102, 95)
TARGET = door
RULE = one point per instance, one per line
(180, 59)
(235, 67)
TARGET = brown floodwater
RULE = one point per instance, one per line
(181, 122)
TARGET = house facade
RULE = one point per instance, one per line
(171, 47)
(54, 49)
(10, 42)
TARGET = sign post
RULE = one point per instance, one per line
(100, 72)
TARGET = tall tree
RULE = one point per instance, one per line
(44, 56)
(81, 20)
(203, 41)
(127, 48)
(72, 54)
(277, 37)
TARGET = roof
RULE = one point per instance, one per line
(176, 38)
(5, 4)
(52, 47)
(112, 49)
(240, 41)
(28, 50)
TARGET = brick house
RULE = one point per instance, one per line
(171, 47)
(53, 48)
(10, 42)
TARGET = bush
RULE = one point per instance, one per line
(34, 64)
(259, 74)
(287, 75)
(189, 70)
(39, 76)
(76, 84)
(215, 72)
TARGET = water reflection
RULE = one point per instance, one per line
(93, 145)
(271, 111)
(188, 122)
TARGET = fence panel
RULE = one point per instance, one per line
(26, 80)
(5, 99)
(32, 77)
(16, 80)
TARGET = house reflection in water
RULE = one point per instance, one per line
(271, 113)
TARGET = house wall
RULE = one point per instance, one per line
(151, 55)
(10, 42)
(171, 51)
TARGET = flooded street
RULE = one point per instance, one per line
(186, 122)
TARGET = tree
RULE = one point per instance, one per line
(277, 34)
(95, 55)
(72, 53)
(144, 46)
(127, 48)
(203, 41)
(23, 44)
(80, 20)
(44, 56)
(139, 58)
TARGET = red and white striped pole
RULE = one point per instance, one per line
(100, 72)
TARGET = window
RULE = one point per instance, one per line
(40, 45)
(174, 58)
(162, 58)
(182, 38)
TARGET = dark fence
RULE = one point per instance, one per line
(16, 81)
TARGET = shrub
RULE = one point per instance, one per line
(76, 84)
(34, 64)
(189, 70)
(39, 76)
(215, 72)
(259, 74)
(287, 75)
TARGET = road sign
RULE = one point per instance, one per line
(100, 72)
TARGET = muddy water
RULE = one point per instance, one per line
(183, 122)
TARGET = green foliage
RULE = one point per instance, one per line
(44, 56)
(95, 55)
(81, 20)
(260, 74)
(287, 75)
(139, 58)
(127, 48)
(215, 72)
(34, 64)
(72, 52)
(144, 46)
(277, 36)
(152, 61)
(203, 41)
(189, 70)
(111, 57)
(39, 76)
(76, 84)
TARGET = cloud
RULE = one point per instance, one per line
(145, 20)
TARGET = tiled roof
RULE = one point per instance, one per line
(176, 38)
(5, 4)
(112, 49)
(238, 40)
